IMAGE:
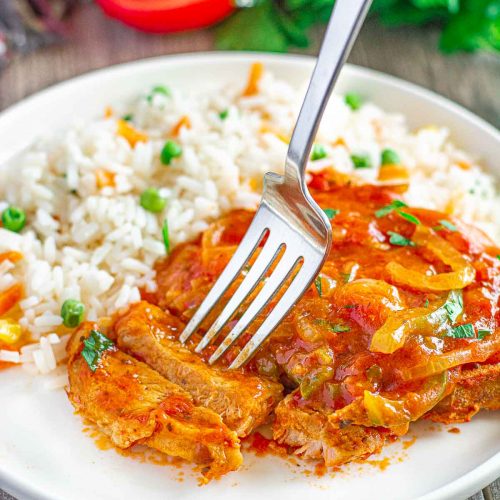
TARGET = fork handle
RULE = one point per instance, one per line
(343, 27)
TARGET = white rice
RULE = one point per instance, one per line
(99, 245)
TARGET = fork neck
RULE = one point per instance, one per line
(343, 27)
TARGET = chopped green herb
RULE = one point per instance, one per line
(353, 100)
(170, 151)
(395, 206)
(94, 345)
(350, 306)
(462, 332)
(448, 225)
(128, 117)
(166, 237)
(481, 333)
(331, 212)
(318, 152)
(390, 157)
(454, 305)
(13, 218)
(498, 257)
(399, 240)
(158, 89)
(426, 305)
(361, 161)
(409, 217)
(152, 201)
(72, 312)
(317, 284)
(224, 114)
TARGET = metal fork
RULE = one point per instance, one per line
(297, 230)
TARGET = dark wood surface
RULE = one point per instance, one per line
(411, 54)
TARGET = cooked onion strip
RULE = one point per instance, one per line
(462, 273)
(477, 352)
(393, 333)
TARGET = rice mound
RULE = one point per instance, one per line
(97, 244)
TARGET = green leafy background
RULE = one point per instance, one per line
(278, 25)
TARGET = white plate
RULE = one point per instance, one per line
(43, 451)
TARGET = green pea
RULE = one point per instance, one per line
(361, 161)
(158, 89)
(152, 201)
(170, 151)
(318, 152)
(353, 100)
(390, 157)
(72, 312)
(13, 218)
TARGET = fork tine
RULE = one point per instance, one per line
(300, 283)
(265, 259)
(285, 266)
(246, 248)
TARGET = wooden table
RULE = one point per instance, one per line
(408, 53)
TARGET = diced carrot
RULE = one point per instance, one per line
(12, 256)
(393, 172)
(256, 72)
(183, 122)
(340, 142)
(108, 112)
(464, 165)
(10, 297)
(104, 178)
(128, 132)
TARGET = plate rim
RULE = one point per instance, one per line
(466, 485)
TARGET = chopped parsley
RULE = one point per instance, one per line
(317, 284)
(318, 152)
(224, 114)
(482, 332)
(462, 331)
(389, 157)
(448, 225)
(361, 161)
(94, 345)
(399, 240)
(396, 206)
(353, 100)
(331, 212)
(454, 305)
(128, 117)
(426, 305)
(166, 237)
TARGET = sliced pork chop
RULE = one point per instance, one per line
(134, 404)
(244, 401)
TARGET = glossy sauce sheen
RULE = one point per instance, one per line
(323, 346)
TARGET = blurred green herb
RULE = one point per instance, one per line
(277, 25)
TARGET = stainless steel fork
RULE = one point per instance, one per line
(298, 232)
